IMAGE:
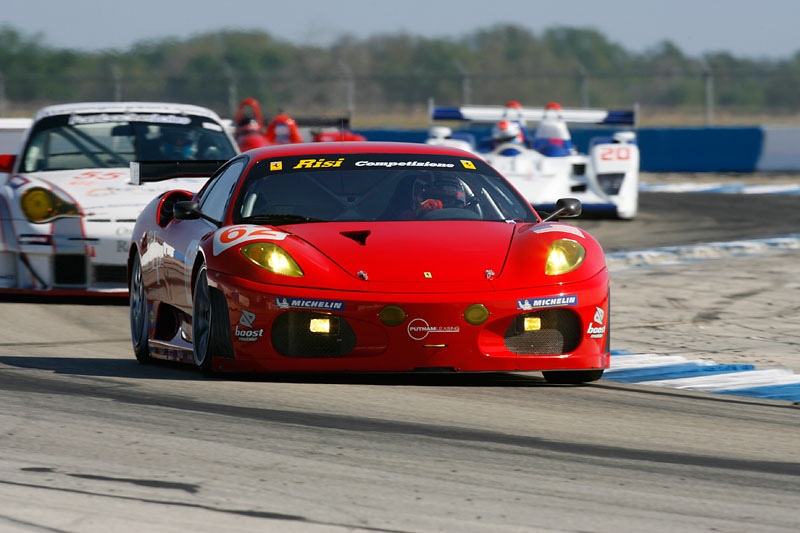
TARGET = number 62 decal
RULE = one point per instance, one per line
(233, 235)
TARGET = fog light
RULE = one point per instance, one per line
(319, 325)
(392, 315)
(532, 323)
(476, 314)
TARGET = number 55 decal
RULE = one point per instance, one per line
(233, 235)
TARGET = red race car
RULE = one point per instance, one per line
(365, 257)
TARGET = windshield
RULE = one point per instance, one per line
(376, 187)
(110, 140)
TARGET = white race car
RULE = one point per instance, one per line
(544, 164)
(67, 205)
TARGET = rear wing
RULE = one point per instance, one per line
(149, 171)
(12, 131)
(487, 114)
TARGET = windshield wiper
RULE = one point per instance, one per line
(278, 219)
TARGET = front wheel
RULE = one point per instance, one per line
(572, 377)
(138, 313)
(211, 332)
(201, 322)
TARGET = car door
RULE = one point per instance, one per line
(185, 235)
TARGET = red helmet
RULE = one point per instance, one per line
(507, 131)
(447, 189)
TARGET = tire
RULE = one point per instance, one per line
(572, 377)
(211, 332)
(138, 314)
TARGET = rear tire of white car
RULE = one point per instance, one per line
(138, 313)
(572, 377)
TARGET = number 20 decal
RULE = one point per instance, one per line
(615, 153)
(233, 235)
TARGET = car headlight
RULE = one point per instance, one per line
(273, 258)
(40, 205)
(564, 255)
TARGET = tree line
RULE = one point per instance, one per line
(389, 80)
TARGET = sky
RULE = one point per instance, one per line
(761, 29)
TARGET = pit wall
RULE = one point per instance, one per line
(699, 149)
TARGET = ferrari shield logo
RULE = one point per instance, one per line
(427, 275)
(468, 164)
(276, 165)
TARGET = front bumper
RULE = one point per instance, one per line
(271, 329)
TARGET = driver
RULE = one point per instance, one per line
(178, 143)
(507, 131)
(441, 192)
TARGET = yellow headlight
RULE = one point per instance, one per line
(564, 255)
(40, 205)
(273, 258)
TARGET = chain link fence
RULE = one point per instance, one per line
(401, 100)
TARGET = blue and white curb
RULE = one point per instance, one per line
(703, 375)
(723, 188)
(667, 255)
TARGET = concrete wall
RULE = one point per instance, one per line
(700, 149)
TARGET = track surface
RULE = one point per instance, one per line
(92, 442)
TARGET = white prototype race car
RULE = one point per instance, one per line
(543, 163)
(67, 204)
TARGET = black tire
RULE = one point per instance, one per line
(572, 377)
(138, 314)
(211, 332)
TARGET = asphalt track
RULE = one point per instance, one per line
(93, 442)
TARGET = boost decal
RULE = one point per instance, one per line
(246, 333)
(596, 328)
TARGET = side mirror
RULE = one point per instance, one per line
(186, 210)
(565, 208)
(190, 210)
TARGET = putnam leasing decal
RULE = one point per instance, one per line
(419, 328)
